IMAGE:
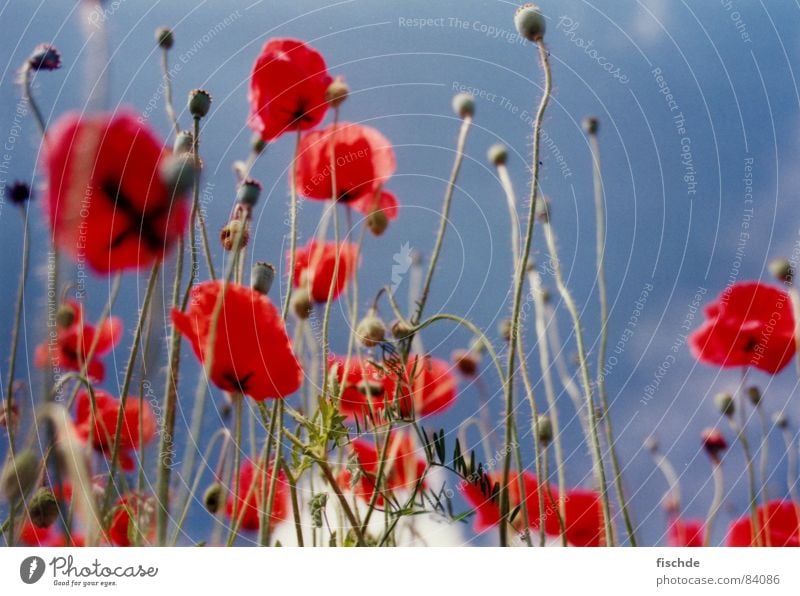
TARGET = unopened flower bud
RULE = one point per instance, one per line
(248, 192)
(781, 420)
(43, 508)
(20, 475)
(184, 142)
(179, 173)
(591, 125)
(713, 442)
(377, 222)
(724, 403)
(371, 330)
(232, 233)
(504, 329)
(497, 154)
(530, 22)
(464, 105)
(257, 144)
(782, 270)
(164, 38)
(337, 92)
(18, 193)
(466, 361)
(214, 498)
(261, 277)
(199, 103)
(400, 329)
(543, 209)
(302, 303)
(754, 395)
(65, 316)
(44, 57)
(651, 444)
(544, 429)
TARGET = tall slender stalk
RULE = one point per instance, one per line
(170, 109)
(751, 478)
(237, 399)
(716, 502)
(292, 227)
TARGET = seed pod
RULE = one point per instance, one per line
(20, 475)
(43, 508)
(725, 404)
(261, 277)
(371, 330)
(302, 305)
(199, 103)
(530, 22)
(337, 92)
(213, 498)
(464, 105)
(544, 429)
(498, 154)
(164, 38)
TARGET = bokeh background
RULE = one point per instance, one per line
(676, 200)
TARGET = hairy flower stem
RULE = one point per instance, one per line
(791, 464)
(197, 218)
(519, 282)
(27, 94)
(173, 117)
(269, 496)
(600, 219)
(751, 479)
(716, 502)
(126, 384)
(594, 437)
(292, 228)
(238, 403)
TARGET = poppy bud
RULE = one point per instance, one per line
(781, 420)
(497, 154)
(464, 105)
(651, 444)
(43, 508)
(231, 233)
(504, 329)
(466, 361)
(20, 475)
(371, 330)
(248, 192)
(65, 316)
(724, 403)
(530, 22)
(302, 303)
(199, 103)
(261, 277)
(544, 295)
(713, 442)
(591, 125)
(213, 498)
(10, 418)
(781, 269)
(377, 222)
(178, 172)
(257, 144)
(400, 329)
(45, 57)
(754, 395)
(164, 38)
(543, 210)
(544, 429)
(184, 142)
(18, 193)
(337, 92)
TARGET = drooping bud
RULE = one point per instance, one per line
(179, 173)
(371, 331)
(781, 420)
(164, 38)
(591, 125)
(20, 475)
(544, 429)
(65, 316)
(257, 144)
(199, 103)
(464, 105)
(497, 154)
(781, 269)
(504, 329)
(377, 222)
(184, 142)
(261, 277)
(337, 92)
(466, 361)
(302, 304)
(44, 57)
(18, 193)
(724, 403)
(214, 497)
(543, 209)
(232, 233)
(530, 22)
(248, 192)
(651, 444)
(713, 442)
(43, 508)
(400, 329)
(754, 395)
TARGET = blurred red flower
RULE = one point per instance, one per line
(250, 497)
(53, 535)
(778, 525)
(364, 160)
(315, 263)
(131, 517)
(287, 88)
(583, 522)
(252, 353)
(686, 532)
(403, 467)
(74, 341)
(361, 383)
(750, 324)
(107, 204)
(429, 385)
(105, 424)
(385, 201)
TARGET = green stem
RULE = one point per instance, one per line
(716, 502)
(292, 228)
(237, 399)
(751, 478)
(27, 93)
(276, 426)
(168, 91)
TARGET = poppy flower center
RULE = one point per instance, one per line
(139, 222)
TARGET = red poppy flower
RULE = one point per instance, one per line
(364, 160)
(487, 503)
(249, 497)
(402, 469)
(385, 201)
(361, 383)
(74, 341)
(105, 424)
(315, 263)
(287, 88)
(583, 523)
(778, 525)
(750, 324)
(132, 517)
(430, 386)
(53, 535)
(107, 203)
(686, 532)
(251, 353)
